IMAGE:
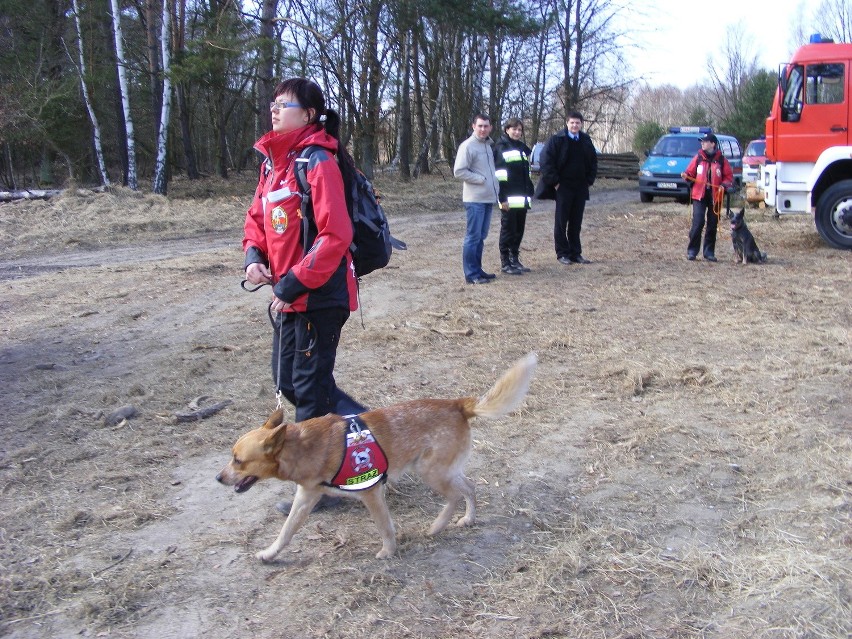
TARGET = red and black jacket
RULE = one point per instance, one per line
(323, 277)
(717, 167)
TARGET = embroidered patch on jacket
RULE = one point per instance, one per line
(364, 462)
(279, 219)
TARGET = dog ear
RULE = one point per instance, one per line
(275, 440)
(275, 419)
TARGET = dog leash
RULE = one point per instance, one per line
(718, 195)
(311, 344)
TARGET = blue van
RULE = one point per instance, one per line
(660, 173)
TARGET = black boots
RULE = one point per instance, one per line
(508, 267)
(515, 263)
(511, 265)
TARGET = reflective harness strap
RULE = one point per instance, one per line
(349, 477)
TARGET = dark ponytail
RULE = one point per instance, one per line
(310, 96)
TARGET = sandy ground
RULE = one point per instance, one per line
(680, 468)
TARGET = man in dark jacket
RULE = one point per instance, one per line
(569, 166)
(511, 161)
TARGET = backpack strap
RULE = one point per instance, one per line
(300, 168)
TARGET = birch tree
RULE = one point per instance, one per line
(81, 70)
(125, 95)
(160, 173)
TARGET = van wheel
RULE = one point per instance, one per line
(645, 197)
(833, 217)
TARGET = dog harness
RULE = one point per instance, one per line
(364, 462)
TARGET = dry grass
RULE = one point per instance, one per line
(681, 467)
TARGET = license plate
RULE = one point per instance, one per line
(666, 185)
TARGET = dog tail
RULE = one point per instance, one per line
(508, 392)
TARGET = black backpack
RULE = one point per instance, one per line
(371, 241)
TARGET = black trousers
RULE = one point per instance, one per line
(703, 210)
(304, 349)
(570, 205)
(512, 225)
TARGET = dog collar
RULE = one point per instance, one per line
(364, 463)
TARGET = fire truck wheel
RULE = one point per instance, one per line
(834, 215)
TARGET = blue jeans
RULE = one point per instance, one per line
(478, 223)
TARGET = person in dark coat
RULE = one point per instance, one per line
(569, 166)
(511, 161)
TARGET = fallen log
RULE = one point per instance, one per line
(10, 196)
(43, 194)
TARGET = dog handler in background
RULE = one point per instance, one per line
(313, 293)
(710, 174)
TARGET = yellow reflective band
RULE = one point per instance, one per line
(502, 175)
(512, 156)
(517, 201)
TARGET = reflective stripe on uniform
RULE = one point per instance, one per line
(517, 201)
(502, 175)
(513, 155)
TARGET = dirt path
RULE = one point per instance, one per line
(681, 467)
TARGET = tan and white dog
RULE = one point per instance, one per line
(427, 437)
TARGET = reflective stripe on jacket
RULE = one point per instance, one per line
(511, 159)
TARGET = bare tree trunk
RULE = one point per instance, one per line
(404, 118)
(372, 74)
(125, 96)
(538, 86)
(81, 70)
(150, 22)
(579, 42)
(424, 149)
(422, 164)
(8, 168)
(160, 168)
(266, 65)
(183, 108)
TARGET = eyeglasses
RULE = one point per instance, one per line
(277, 106)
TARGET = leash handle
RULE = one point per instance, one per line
(252, 290)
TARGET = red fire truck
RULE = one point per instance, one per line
(808, 142)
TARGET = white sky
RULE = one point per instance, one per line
(681, 34)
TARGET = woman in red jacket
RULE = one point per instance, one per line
(710, 174)
(313, 292)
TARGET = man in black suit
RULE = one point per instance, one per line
(569, 165)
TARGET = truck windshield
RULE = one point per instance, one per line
(671, 146)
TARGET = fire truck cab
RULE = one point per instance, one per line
(808, 142)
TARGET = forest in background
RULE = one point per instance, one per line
(137, 91)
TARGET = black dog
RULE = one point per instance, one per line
(744, 245)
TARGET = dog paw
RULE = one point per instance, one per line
(267, 555)
(384, 553)
(465, 521)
